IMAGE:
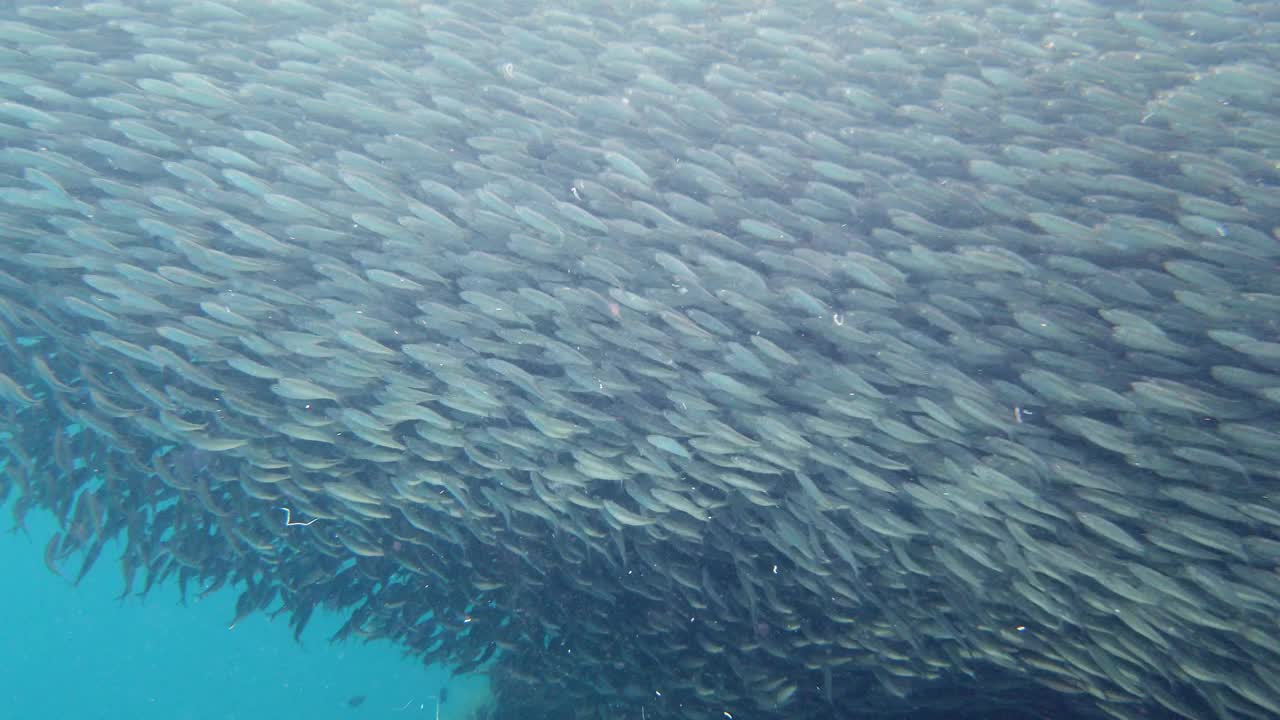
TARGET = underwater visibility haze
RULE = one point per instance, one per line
(737, 359)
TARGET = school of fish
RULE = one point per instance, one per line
(700, 358)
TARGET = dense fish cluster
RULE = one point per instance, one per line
(805, 359)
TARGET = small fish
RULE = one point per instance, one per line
(51, 555)
(356, 701)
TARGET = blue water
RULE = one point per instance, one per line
(77, 653)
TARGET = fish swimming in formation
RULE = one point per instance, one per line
(701, 358)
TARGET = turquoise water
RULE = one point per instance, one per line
(77, 653)
(800, 360)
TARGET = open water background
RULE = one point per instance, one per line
(77, 653)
